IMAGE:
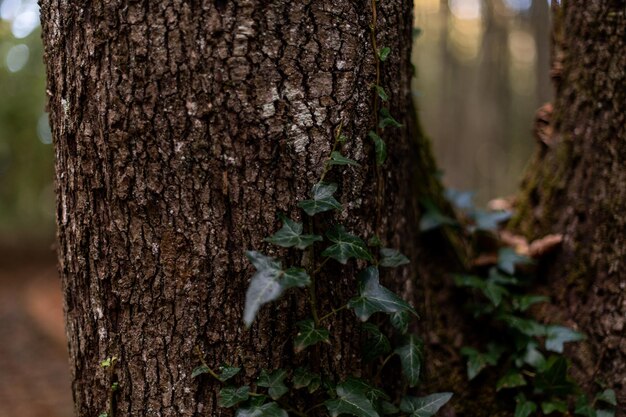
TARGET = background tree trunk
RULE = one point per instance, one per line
(181, 129)
(575, 186)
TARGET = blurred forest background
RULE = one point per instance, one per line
(482, 70)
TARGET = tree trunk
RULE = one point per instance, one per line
(576, 185)
(181, 130)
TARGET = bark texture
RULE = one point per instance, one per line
(576, 184)
(181, 129)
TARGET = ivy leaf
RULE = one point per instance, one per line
(462, 200)
(309, 335)
(350, 400)
(322, 199)
(295, 277)
(374, 298)
(556, 336)
(227, 372)
(583, 408)
(265, 410)
(512, 379)
(199, 370)
(524, 326)
(345, 246)
(400, 321)
(494, 292)
(336, 158)
(607, 396)
(477, 361)
(231, 396)
(374, 241)
(291, 235)
(392, 258)
(549, 407)
(274, 383)
(470, 281)
(489, 220)
(432, 218)
(386, 119)
(303, 378)
(552, 378)
(381, 93)
(424, 406)
(605, 413)
(383, 53)
(269, 282)
(524, 408)
(410, 354)
(508, 259)
(523, 302)
(532, 356)
(379, 147)
(359, 385)
(375, 345)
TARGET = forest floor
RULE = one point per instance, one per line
(34, 373)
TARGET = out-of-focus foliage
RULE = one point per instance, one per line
(26, 190)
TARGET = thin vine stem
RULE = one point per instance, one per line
(203, 362)
(333, 312)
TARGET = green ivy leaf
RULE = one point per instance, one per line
(532, 356)
(372, 393)
(199, 370)
(381, 93)
(383, 53)
(489, 220)
(556, 336)
(336, 158)
(524, 326)
(231, 396)
(508, 259)
(374, 241)
(524, 302)
(291, 235)
(379, 147)
(470, 281)
(477, 361)
(549, 407)
(432, 218)
(416, 32)
(552, 378)
(274, 383)
(494, 292)
(322, 199)
(303, 378)
(400, 321)
(410, 354)
(376, 344)
(374, 298)
(605, 413)
(524, 408)
(583, 408)
(265, 410)
(269, 282)
(512, 379)
(350, 400)
(607, 396)
(309, 335)
(227, 372)
(345, 246)
(386, 119)
(392, 258)
(424, 406)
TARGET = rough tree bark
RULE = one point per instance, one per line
(181, 129)
(576, 185)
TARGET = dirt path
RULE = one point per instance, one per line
(34, 376)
